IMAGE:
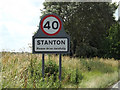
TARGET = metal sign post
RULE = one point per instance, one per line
(43, 66)
(60, 67)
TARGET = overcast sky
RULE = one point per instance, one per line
(18, 21)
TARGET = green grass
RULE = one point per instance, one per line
(24, 71)
(98, 80)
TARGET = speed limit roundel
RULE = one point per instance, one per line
(51, 25)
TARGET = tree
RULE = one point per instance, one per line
(86, 23)
(113, 40)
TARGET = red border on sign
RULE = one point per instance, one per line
(47, 17)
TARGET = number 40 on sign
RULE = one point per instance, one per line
(51, 25)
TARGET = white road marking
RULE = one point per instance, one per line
(117, 85)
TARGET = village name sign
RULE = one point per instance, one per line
(51, 38)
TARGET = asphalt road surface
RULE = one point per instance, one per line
(117, 85)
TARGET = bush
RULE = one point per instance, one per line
(84, 50)
(51, 74)
(51, 68)
(111, 45)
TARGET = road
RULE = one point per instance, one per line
(117, 85)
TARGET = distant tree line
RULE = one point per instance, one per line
(91, 26)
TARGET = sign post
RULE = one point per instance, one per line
(60, 67)
(43, 66)
(51, 38)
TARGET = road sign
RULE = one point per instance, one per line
(51, 25)
(51, 44)
(51, 37)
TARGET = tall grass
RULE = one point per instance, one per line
(24, 71)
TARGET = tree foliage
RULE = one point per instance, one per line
(113, 42)
(86, 23)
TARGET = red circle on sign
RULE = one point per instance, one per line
(41, 25)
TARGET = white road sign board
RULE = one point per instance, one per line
(51, 44)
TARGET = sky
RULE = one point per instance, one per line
(18, 21)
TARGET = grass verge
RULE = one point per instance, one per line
(24, 71)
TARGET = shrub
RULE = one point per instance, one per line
(51, 68)
(111, 44)
(85, 50)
